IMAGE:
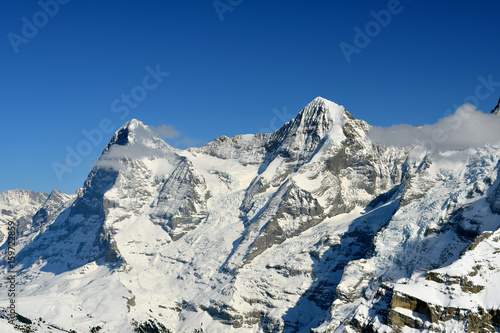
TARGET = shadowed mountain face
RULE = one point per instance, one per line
(311, 228)
(77, 236)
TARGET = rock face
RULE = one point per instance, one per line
(496, 110)
(311, 228)
(181, 203)
(77, 235)
(494, 199)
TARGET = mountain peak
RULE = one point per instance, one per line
(312, 227)
(135, 140)
(131, 132)
(323, 104)
(321, 101)
(320, 115)
(313, 123)
(299, 139)
(133, 124)
(496, 110)
(58, 196)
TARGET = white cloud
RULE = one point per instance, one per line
(116, 157)
(466, 128)
(166, 131)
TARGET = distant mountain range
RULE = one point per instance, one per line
(312, 228)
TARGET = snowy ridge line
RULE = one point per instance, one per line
(315, 227)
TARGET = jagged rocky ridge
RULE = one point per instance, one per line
(310, 228)
(29, 210)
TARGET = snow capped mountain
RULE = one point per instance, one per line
(28, 209)
(312, 228)
(496, 110)
(18, 198)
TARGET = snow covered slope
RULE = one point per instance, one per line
(28, 209)
(311, 228)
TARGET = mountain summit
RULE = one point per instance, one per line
(312, 228)
(133, 131)
(496, 110)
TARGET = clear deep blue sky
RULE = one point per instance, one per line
(226, 76)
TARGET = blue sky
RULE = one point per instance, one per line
(234, 67)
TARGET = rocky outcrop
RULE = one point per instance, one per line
(150, 326)
(496, 110)
(181, 203)
(494, 200)
(297, 211)
(430, 316)
(247, 149)
(418, 183)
